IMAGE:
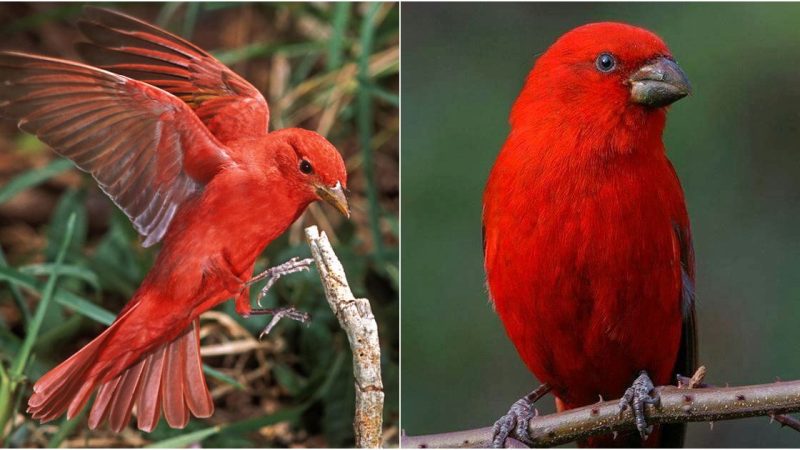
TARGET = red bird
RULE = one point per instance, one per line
(587, 247)
(179, 142)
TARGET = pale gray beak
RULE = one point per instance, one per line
(335, 196)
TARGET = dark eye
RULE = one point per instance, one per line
(305, 167)
(605, 62)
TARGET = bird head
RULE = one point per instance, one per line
(607, 76)
(312, 166)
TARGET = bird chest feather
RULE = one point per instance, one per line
(586, 265)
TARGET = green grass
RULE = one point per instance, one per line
(11, 380)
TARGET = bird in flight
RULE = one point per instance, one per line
(180, 144)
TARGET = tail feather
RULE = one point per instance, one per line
(148, 404)
(80, 399)
(54, 392)
(174, 406)
(168, 378)
(120, 409)
(56, 407)
(198, 398)
(103, 399)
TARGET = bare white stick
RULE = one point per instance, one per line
(355, 316)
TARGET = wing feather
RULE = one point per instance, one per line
(147, 150)
(673, 435)
(226, 103)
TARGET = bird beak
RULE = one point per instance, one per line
(335, 196)
(659, 83)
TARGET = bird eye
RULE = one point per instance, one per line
(605, 62)
(305, 167)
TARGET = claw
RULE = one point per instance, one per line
(273, 274)
(514, 423)
(517, 419)
(637, 396)
(279, 313)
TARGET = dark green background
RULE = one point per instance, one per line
(735, 144)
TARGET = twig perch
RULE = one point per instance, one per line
(677, 405)
(355, 316)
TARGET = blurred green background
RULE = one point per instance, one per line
(329, 67)
(735, 144)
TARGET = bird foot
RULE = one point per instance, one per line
(277, 314)
(272, 274)
(637, 396)
(514, 424)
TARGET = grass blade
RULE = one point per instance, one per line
(65, 298)
(214, 373)
(382, 94)
(32, 178)
(364, 120)
(185, 440)
(341, 15)
(16, 294)
(165, 15)
(47, 295)
(190, 19)
(85, 307)
(65, 270)
(11, 380)
(260, 50)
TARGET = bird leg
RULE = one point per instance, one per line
(515, 422)
(274, 273)
(638, 395)
(290, 312)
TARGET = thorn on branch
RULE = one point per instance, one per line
(787, 421)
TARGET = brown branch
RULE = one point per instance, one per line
(355, 317)
(677, 405)
(696, 381)
(787, 421)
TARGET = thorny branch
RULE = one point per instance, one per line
(678, 404)
(355, 316)
(696, 381)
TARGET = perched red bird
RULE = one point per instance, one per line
(179, 142)
(588, 252)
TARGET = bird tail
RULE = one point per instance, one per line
(168, 377)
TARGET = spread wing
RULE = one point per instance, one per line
(147, 150)
(226, 103)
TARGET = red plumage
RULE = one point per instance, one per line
(586, 236)
(180, 143)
